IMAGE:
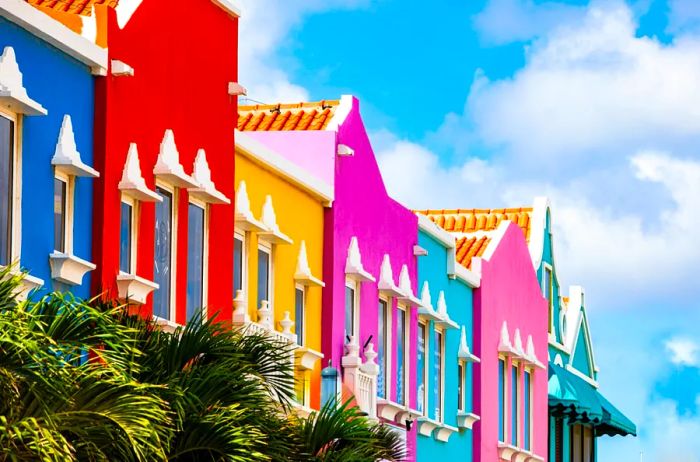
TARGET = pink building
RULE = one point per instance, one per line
(369, 303)
(510, 335)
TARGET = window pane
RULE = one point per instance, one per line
(59, 215)
(400, 356)
(576, 439)
(382, 349)
(437, 393)
(237, 265)
(527, 417)
(349, 312)
(263, 276)
(162, 262)
(7, 147)
(501, 399)
(125, 239)
(420, 366)
(195, 260)
(460, 387)
(514, 387)
(299, 315)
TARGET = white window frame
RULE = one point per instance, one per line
(462, 401)
(134, 204)
(505, 396)
(531, 372)
(15, 236)
(174, 191)
(243, 237)
(425, 328)
(353, 284)
(302, 287)
(518, 406)
(441, 379)
(270, 250)
(205, 253)
(388, 324)
(546, 267)
(69, 180)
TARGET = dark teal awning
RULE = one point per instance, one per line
(571, 396)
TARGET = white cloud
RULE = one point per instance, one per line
(683, 15)
(265, 25)
(684, 351)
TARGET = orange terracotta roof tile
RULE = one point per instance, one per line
(82, 7)
(473, 220)
(286, 117)
(468, 247)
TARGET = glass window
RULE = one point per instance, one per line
(195, 259)
(264, 262)
(527, 417)
(162, 262)
(60, 191)
(576, 442)
(420, 366)
(238, 262)
(7, 153)
(437, 392)
(501, 399)
(401, 356)
(547, 292)
(382, 347)
(460, 387)
(349, 311)
(125, 238)
(514, 404)
(299, 317)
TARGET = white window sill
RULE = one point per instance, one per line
(247, 222)
(274, 237)
(389, 410)
(308, 280)
(69, 269)
(307, 358)
(166, 325)
(134, 289)
(467, 420)
(444, 431)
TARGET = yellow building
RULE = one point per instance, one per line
(278, 256)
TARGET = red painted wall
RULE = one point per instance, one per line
(183, 53)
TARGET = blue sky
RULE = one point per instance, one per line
(487, 103)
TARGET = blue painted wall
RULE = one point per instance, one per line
(62, 85)
(433, 268)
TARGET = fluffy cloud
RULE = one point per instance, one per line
(684, 351)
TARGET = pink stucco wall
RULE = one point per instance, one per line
(509, 292)
(362, 208)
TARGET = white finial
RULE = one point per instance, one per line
(264, 315)
(287, 324)
(370, 366)
(240, 305)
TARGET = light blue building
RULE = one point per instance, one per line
(445, 363)
(578, 412)
(46, 142)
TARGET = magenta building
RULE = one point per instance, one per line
(369, 301)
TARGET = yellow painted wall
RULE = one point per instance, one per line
(299, 216)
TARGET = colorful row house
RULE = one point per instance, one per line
(369, 303)
(47, 171)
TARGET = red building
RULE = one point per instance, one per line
(163, 220)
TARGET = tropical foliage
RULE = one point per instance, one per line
(89, 381)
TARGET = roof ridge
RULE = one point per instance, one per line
(324, 104)
(474, 211)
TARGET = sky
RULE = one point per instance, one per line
(489, 103)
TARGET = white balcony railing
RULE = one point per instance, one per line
(361, 377)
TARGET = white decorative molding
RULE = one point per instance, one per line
(229, 6)
(463, 352)
(265, 315)
(206, 191)
(419, 251)
(507, 451)
(125, 9)
(444, 432)
(236, 89)
(426, 426)
(135, 289)
(66, 157)
(303, 272)
(132, 182)
(345, 151)
(13, 95)
(341, 113)
(471, 278)
(386, 284)
(361, 379)
(306, 358)
(240, 309)
(426, 309)
(530, 354)
(538, 228)
(558, 361)
(286, 324)
(69, 268)
(120, 68)
(166, 325)
(28, 285)
(518, 344)
(353, 263)
(271, 233)
(467, 420)
(443, 315)
(406, 288)
(168, 164)
(244, 216)
(389, 410)
(504, 345)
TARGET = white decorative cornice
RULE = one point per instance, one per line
(206, 190)
(303, 271)
(442, 312)
(132, 182)
(530, 353)
(353, 263)
(168, 165)
(426, 309)
(386, 283)
(244, 216)
(504, 345)
(464, 352)
(272, 231)
(13, 95)
(66, 157)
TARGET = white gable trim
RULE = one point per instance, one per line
(538, 226)
(341, 113)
